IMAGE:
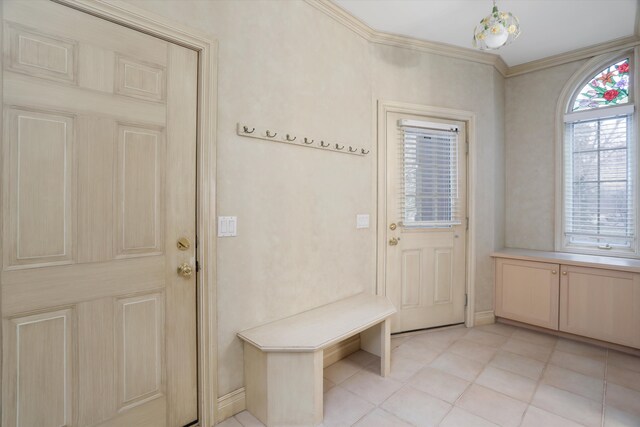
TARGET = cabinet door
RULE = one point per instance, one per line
(527, 292)
(601, 304)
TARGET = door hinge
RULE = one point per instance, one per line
(467, 223)
(466, 300)
(197, 266)
(466, 144)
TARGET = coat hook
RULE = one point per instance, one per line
(322, 144)
(339, 147)
(364, 151)
(290, 140)
(271, 136)
(353, 150)
(246, 129)
(306, 141)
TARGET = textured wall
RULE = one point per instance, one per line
(530, 116)
(287, 65)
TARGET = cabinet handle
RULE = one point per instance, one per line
(553, 272)
(564, 273)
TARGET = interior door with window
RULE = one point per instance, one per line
(426, 214)
(98, 214)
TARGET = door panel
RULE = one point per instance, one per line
(426, 265)
(98, 183)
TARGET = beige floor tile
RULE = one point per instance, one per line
(517, 364)
(614, 417)
(493, 406)
(472, 350)
(536, 417)
(484, 337)
(533, 337)
(624, 360)
(575, 382)
(527, 349)
(584, 365)
(433, 342)
(396, 341)
(327, 385)
(439, 384)
(460, 418)
(403, 368)
(459, 366)
(497, 328)
(623, 377)
(230, 422)
(416, 350)
(248, 420)
(380, 418)
(341, 370)
(416, 407)
(363, 358)
(623, 398)
(343, 408)
(513, 385)
(581, 349)
(372, 387)
(568, 405)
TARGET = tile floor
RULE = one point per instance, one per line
(494, 375)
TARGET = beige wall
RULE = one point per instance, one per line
(530, 116)
(287, 65)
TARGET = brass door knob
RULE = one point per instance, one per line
(393, 226)
(393, 241)
(185, 270)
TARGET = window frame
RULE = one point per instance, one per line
(565, 116)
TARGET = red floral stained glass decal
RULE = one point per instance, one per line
(609, 87)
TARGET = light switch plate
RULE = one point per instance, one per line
(227, 226)
(362, 221)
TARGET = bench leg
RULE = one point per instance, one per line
(377, 340)
(284, 389)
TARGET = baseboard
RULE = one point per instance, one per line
(231, 404)
(484, 318)
(341, 350)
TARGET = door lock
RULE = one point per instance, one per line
(183, 243)
(393, 226)
(393, 241)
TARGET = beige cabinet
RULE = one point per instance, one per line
(601, 304)
(527, 292)
(575, 294)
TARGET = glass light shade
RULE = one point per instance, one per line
(496, 30)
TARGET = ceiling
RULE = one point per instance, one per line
(549, 27)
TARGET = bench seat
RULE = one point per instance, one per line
(283, 359)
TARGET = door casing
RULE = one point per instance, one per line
(469, 118)
(206, 48)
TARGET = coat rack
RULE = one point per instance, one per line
(269, 134)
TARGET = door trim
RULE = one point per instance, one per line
(469, 118)
(207, 48)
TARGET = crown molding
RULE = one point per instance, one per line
(574, 55)
(363, 30)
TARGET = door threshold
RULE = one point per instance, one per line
(415, 331)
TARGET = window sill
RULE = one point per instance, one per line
(597, 261)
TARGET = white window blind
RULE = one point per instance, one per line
(600, 184)
(429, 174)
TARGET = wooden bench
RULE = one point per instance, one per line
(283, 359)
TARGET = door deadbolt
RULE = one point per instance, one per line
(393, 226)
(183, 244)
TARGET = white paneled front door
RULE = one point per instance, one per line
(425, 241)
(98, 185)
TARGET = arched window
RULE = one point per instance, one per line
(599, 164)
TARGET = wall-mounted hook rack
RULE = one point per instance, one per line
(269, 134)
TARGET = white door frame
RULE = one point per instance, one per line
(469, 118)
(207, 49)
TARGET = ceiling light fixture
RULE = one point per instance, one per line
(496, 30)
